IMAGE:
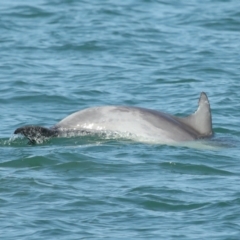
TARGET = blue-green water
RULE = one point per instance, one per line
(57, 57)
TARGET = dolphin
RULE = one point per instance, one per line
(126, 121)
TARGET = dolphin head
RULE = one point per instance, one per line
(34, 133)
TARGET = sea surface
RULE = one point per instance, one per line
(61, 56)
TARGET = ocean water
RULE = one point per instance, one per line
(60, 56)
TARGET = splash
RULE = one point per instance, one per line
(86, 135)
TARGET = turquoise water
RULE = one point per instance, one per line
(61, 56)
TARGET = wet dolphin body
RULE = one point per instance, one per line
(135, 121)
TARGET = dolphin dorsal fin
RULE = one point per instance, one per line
(201, 120)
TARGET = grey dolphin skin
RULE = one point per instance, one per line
(130, 121)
